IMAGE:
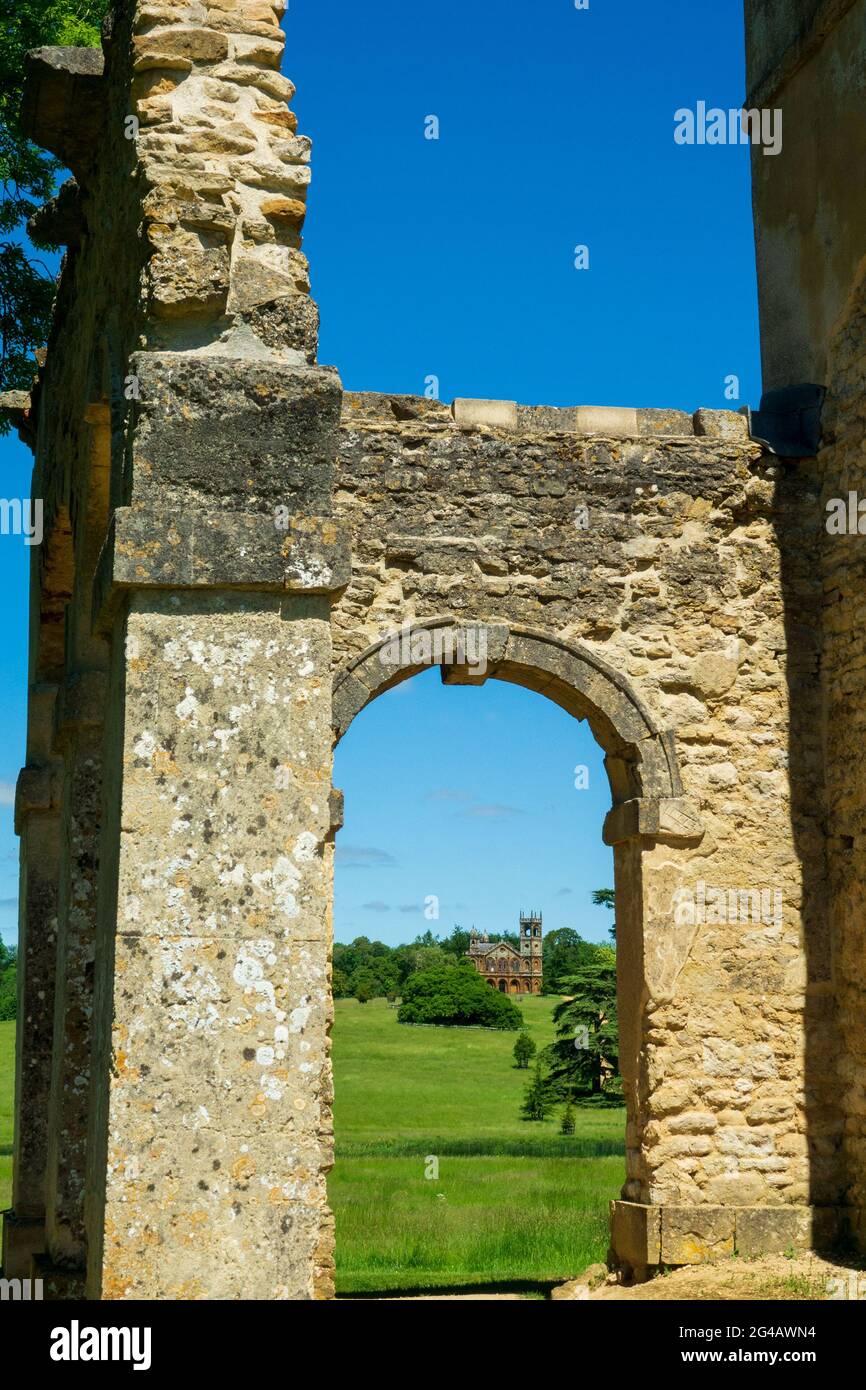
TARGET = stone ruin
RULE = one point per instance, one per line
(230, 539)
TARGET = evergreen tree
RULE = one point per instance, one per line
(584, 1059)
(567, 1126)
(524, 1050)
(535, 1102)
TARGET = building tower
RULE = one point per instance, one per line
(530, 949)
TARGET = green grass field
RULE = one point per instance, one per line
(514, 1204)
(7, 1091)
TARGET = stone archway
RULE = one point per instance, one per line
(649, 821)
(640, 757)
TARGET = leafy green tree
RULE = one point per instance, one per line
(364, 986)
(340, 984)
(568, 1121)
(564, 952)
(28, 176)
(524, 1050)
(584, 1059)
(606, 897)
(8, 983)
(457, 944)
(536, 1105)
(456, 995)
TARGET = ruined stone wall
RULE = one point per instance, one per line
(225, 554)
(674, 577)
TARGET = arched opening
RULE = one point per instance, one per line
(643, 794)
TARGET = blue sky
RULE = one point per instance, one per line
(454, 258)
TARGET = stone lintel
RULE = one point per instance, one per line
(38, 789)
(675, 820)
(219, 550)
(23, 1237)
(64, 104)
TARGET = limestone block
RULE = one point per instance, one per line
(163, 47)
(614, 422)
(691, 1235)
(665, 422)
(259, 275)
(183, 281)
(200, 421)
(289, 210)
(773, 1230)
(214, 550)
(636, 1233)
(273, 84)
(282, 120)
(722, 424)
(478, 414)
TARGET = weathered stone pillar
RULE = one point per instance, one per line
(213, 1113)
(38, 824)
(78, 735)
(210, 1130)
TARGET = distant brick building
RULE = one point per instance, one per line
(505, 968)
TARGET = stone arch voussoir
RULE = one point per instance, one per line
(640, 756)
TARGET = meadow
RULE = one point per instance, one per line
(438, 1183)
(515, 1205)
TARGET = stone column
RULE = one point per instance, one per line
(37, 821)
(211, 1105)
(78, 735)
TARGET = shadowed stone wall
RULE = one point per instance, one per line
(807, 58)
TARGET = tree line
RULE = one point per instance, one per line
(365, 969)
(8, 982)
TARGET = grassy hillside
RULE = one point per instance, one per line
(7, 1090)
(513, 1201)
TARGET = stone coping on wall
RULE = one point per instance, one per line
(646, 1237)
(374, 408)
